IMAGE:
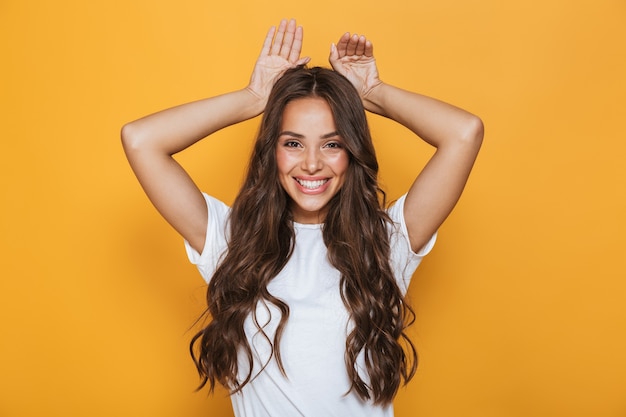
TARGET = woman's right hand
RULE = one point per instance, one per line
(280, 52)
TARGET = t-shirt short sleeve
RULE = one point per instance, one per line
(216, 238)
(404, 261)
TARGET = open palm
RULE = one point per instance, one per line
(280, 52)
(353, 57)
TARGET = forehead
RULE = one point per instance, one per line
(309, 112)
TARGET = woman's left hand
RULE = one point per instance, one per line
(353, 57)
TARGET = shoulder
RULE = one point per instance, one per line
(216, 207)
(396, 210)
(216, 238)
(404, 261)
(398, 230)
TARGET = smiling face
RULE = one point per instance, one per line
(311, 159)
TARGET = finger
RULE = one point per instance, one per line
(302, 61)
(296, 47)
(343, 44)
(369, 49)
(267, 44)
(334, 54)
(290, 34)
(360, 46)
(352, 43)
(278, 39)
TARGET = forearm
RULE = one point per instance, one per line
(434, 121)
(172, 130)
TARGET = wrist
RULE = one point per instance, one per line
(373, 99)
(254, 103)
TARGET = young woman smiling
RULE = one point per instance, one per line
(310, 158)
(308, 269)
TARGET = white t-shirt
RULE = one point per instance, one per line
(313, 342)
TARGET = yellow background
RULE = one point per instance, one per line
(522, 305)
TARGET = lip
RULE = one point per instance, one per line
(313, 191)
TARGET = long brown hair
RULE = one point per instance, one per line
(355, 232)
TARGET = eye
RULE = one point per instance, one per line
(291, 144)
(334, 145)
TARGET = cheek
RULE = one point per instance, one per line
(282, 160)
(342, 163)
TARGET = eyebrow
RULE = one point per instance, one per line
(299, 136)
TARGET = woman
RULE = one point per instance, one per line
(307, 271)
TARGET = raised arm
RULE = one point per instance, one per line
(456, 134)
(151, 142)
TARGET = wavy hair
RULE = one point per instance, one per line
(355, 231)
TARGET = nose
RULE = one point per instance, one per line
(312, 161)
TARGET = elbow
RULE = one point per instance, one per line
(473, 132)
(131, 137)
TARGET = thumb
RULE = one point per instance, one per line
(334, 54)
(303, 61)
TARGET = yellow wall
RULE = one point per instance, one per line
(521, 307)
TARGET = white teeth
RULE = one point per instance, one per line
(311, 185)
